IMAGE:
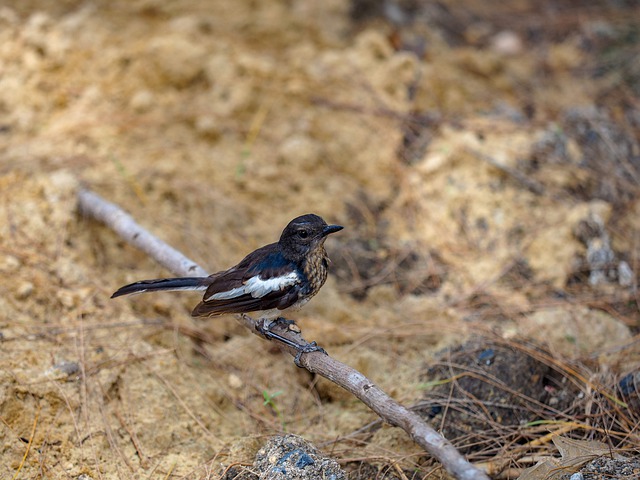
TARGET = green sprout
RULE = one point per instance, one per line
(268, 401)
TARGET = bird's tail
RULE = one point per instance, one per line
(185, 283)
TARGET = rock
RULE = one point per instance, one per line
(575, 330)
(606, 467)
(507, 42)
(290, 457)
(177, 60)
(24, 290)
(142, 101)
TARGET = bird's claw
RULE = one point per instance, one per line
(283, 321)
(264, 328)
(261, 329)
(266, 332)
(308, 348)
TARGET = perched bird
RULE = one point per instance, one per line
(269, 280)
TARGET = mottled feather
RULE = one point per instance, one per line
(271, 279)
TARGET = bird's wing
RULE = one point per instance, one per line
(264, 280)
(247, 303)
(258, 285)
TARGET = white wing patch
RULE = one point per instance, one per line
(257, 288)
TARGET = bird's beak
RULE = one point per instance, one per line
(329, 229)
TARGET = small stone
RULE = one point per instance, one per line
(67, 298)
(63, 370)
(625, 274)
(506, 43)
(235, 381)
(8, 16)
(290, 456)
(179, 60)
(142, 101)
(9, 263)
(207, 126)
(24, 290)
(68, 368)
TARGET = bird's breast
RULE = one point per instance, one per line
(315, 269)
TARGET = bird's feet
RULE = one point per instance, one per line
(283, 321)
(264, 326)
(308, 348)
(264, 329)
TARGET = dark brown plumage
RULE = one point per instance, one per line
(269, 280)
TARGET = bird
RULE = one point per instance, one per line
(274, 278)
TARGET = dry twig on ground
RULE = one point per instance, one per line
(92, 205)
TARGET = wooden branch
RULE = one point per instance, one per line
(93, 206)
(96, 207)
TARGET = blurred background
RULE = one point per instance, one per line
(483, 157)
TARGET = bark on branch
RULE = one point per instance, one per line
(93, 206)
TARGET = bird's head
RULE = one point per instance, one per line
(304, 234)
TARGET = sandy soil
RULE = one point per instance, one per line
(479, 179)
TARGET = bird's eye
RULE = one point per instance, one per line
(303, 233)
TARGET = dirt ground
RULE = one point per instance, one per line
(484, 161)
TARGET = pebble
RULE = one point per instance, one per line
(235, 381)
(506, 43)
(142, 101)
(24, 290)
(9, 263)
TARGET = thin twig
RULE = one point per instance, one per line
(182, 403)
(134, 439)
(92, 205)
(26, 453)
